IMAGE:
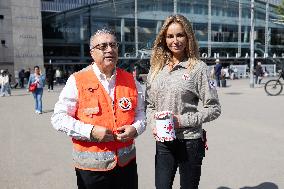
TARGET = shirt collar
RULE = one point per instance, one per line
(183, 64)
(100, 75)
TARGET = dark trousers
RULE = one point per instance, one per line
(22, 82)
(50, 84)
(258, 79)
(218, 78)
(118, 178)
(185, 154)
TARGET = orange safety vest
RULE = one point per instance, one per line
(96, 107)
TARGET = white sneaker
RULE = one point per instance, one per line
(37, 112)
(48, 90)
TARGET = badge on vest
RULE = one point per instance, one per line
(125, 103)
(91, 111)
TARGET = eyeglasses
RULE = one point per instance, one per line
(104, 46)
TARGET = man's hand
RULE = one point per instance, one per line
(125, 133)
(101, 134)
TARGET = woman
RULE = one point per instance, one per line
(176, 82)
(4, 84)
(39, 79)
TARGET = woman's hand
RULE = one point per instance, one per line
(154, 132)
(176, 121)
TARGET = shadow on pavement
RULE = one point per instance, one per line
(234, 93)
(47, 111)
(265, 185)
(41, 172)
(25, 94)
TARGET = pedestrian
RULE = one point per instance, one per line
(27, 74)
(258, 73)
(4, 83)
(223, 77)
(226, 72)
(16, 79)
(217, 71)
(101, 108)
(1, 78)
(58, 75)
(50, 78)
(177, 80)
(22, 78)
(236, 72)
(39, 79)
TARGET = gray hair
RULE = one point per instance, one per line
(99, 32)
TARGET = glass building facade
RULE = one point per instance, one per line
(66, 34)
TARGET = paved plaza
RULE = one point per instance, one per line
(245, 144)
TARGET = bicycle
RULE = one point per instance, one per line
(274, 87)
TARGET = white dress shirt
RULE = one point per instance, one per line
(64, 111)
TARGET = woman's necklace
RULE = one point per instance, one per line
(172, 63)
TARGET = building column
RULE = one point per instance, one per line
(266, 43)
(246, 34)
(27, 34)
(240, 30)
(122, 36)
(158, 26)
(209, 29)
(81, 39)
(136, 28)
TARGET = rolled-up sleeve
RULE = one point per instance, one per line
(139, 120)
(64, 112)
(150, 105)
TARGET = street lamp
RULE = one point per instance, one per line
(251, 43)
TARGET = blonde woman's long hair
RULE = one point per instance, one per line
(161, 53)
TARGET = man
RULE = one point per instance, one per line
(101, 107)
(22, 78)
(50, 78)
(217, 69)
(27, 74)
(258, 73)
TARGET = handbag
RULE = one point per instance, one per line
(32, 87)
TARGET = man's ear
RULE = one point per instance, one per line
(92, 55)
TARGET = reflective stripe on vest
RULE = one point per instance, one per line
(126, 154)
(94, 160)
(103, 160)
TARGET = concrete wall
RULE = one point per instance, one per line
(21, 28)
(6, 49)
(27, 33)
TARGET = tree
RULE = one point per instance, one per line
(280, 11)
(280, 8)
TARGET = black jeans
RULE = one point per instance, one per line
(118, 178)
(50, 84)
(185, 154)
